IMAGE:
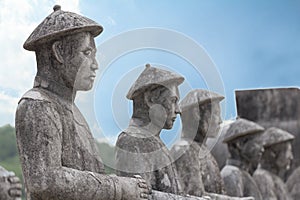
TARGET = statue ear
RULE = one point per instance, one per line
(148, 99)
(57, 51)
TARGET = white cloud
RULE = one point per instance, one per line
(8, 105)
(18, 67)
(109, 140)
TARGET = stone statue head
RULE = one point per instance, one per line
(65, 49)
(244, 144)
(278, 148)
(155, 97)
(201, 114)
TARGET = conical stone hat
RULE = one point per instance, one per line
(150, 76)
(60, 23)
(241, 127)
(274, 136)
(199, 97)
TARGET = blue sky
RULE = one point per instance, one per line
(254, 44)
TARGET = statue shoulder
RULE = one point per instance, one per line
(262, 174)
(231, 171)
(36, 94)
(37, 103)
(180, 147)
(129, 138)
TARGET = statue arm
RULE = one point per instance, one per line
(233, 182)
(188, 170)
(130, 162)
(265, 185)
(39, 136)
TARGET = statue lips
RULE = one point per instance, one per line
(92, 77)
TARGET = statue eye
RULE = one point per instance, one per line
(174, 100)
(87, 52)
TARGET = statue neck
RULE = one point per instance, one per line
(271, 167)
(239, 163)
(190, 132)
(148, 127)
(53, 86)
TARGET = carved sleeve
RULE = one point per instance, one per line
(39, 136)
(265, 185)
(189, 171)
(132, 159)
(233, 181)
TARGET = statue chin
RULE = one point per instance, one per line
(84, 87)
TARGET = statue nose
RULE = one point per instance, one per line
(94, 66)
(177, 109)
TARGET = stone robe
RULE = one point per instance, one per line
(270, 185)
(139, 152)
(57, 150)
(238, 182)
(197, 168)
(293, 184)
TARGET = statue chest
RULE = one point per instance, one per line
(79, 148)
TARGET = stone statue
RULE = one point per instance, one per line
(273, 107)
(293, 184)
(56, 147)
(139, 149)
(196, 166)
(10, 185)
(275, 160)
(219, 149)
(245, 150)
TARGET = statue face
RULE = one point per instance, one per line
(172, 107)
(169, 101)
(253, 150)
(208, 117)
(284, 155)
(81, 65)
(214, 120)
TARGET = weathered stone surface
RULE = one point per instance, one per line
(293, 184)
(239, 182)
(198, 169)
(241, 127)
(274, 136)
(278, 107)
(276, 159)
(60, 23)
(156, 195)
(57, 151)
(270, 185)
(139, 148)
(10, 186)
(268, 104)
(245, 150)
(199, 97)
(148, 157)
(219, 150)
(151, 76)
